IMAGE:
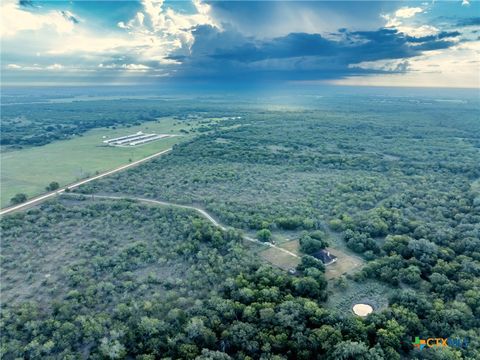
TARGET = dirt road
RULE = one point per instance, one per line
(202, 212)
(38, 199)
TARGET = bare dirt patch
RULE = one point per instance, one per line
(362, 309)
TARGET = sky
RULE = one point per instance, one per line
(371, 43)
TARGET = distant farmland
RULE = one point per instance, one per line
(30, 170)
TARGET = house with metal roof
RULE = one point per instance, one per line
(325, 256)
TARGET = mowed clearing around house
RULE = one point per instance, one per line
(279, 258)
(30, 170)
(345, 264)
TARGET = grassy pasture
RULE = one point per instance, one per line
(30, 170)
(279, 258)
(293, 246)
(343, 297)
(345, 264)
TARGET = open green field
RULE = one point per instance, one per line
(346, 262)
(30, 170)
(280, 259)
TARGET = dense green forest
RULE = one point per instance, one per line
(118, 279)
(397, 183)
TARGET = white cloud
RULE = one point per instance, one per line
(33, 67)
(128, 67)
(391, 21)
(160, 24)
(401, 21)
(453, 67)
(465, 3)
(54, 67)
(418, 31)
(408, 12)
(135, 67)
(15, 19)
(140, 44)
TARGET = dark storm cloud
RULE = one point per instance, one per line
(434, 45)
(430, 38)
(474, 21)
(291, 45)
(25, 3)
(230, 55)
